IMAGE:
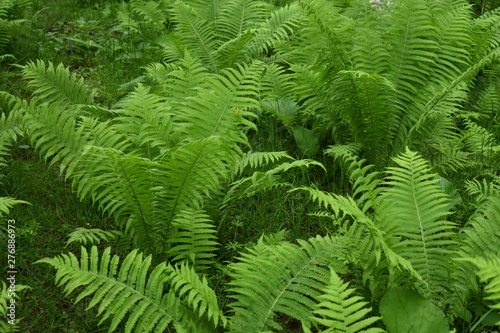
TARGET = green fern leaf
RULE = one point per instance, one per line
(283, 278)
(416, 207)
(92, 236)
(120, 291)
(478, 239)
(339, 311)
(56, 84)
(489, 272)
(8, 322)
(192, 238)
(144, 301)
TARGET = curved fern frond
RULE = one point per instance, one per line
(483, 190)
(91, 236)
(127, 293)
(358, 227)
(283, 278)
(144, 300)
(7, 203)
(116, 182)
(263, 181)
(340, 311)
(195, 293)
(365, 183)
(8, 321)
(480, 238)
(53, 133)
(55, 85)
(489, 272)
(254, 160)
(276, 29)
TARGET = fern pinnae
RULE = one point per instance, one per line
(284, 278)
(414, 200)
(197, 35)
(56, 85)
(119, 291)
(195, 292)
(339, 310)
(192, 238)
(92, 236)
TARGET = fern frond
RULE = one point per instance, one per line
(416, 207)
(485, 34)
(482, 190)
(262, 181)
(127, 293)
(324, 19)
(489, 272)
(190, 174)
(195, 292)
(192, 238)
(7, 203)
(117, 183)
(239, 15)
(361, 99)
(146, 119)
(283, 278)
(340, 311)
(358, 227)
(365, 183)
(55, 85)
(53, 133)
(9, 132)
(92, 236)
(8, 295)
(179, 81)
(153, 12)
(276, 29)
(222, 109)
(196, 34)
(144, 300)
(258, 159)
(480, 238)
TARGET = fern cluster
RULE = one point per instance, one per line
(389, 85)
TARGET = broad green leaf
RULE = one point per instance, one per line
(406, 311)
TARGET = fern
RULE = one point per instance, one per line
(92, 236)
(479, 239)
(275, 30)
(416, 208)
(8, 23)
(483, 190)
(8, 297)
(192, 239)
(340, 311)
(196, 35)
(365, 183)
(262, 181)
(489, 272)
(56, 85)
(281, 279)
(144, 301)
